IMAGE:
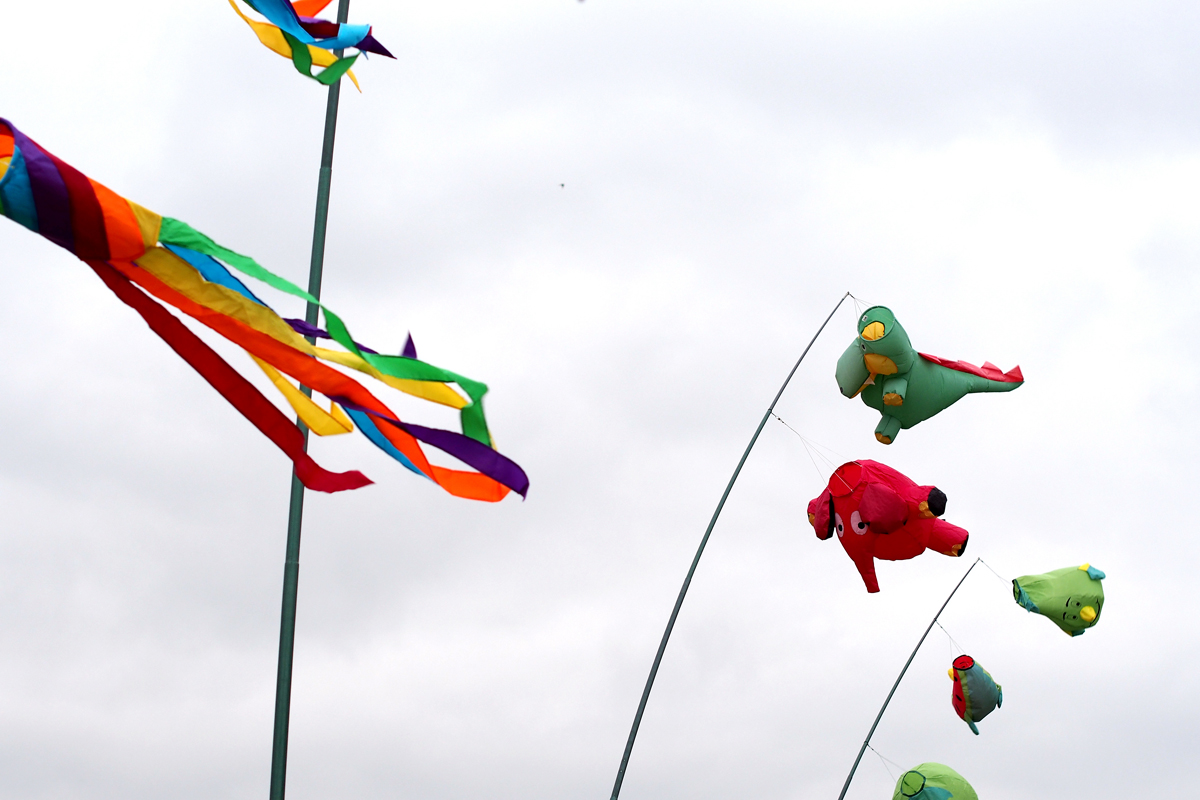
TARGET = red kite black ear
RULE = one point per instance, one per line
(832, 524)
(937, 501)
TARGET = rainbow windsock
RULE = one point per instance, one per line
(141, 256)
(295, 33)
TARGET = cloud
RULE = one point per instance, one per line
(628, 219)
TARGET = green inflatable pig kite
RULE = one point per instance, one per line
(914, 386)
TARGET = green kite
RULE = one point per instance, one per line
(915, 386)
(1071, 598)
(933, 782)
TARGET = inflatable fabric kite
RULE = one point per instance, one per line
(975, 694)
(879, 513)
(308, 41)
(1071, 598)
(933, 782)
(915, 386)
(141, 256)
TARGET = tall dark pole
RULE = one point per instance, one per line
(291, 564)
(900, 677)
(662, 646)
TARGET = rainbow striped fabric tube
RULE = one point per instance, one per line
(293, 32)
(145, 258)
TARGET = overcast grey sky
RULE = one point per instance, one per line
(627, 218)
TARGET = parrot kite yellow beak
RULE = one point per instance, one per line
(870, 381)
(873, 331)
(950, 672)
(1087, 614)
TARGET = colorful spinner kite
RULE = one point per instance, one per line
(130, 247)
(307, 41)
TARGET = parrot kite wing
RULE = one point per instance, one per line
(911, 386)
(144, 258)
(1072, 598)
(293, 32)
(878, 512)
(932, 781)
(975, 693)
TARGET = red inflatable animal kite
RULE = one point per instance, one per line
(879, 513)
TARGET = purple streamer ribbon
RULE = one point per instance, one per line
(304, 329)
(467, 450)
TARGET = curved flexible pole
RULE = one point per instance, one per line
(637, 718)
(870, 733)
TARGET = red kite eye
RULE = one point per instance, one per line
(857, 524)
(837, 519)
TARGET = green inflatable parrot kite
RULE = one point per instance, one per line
(914, 386)
(933, 782)
(1071, 598)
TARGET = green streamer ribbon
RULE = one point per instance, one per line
(302, 60)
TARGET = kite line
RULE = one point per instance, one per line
(637, 718)
(900, 677)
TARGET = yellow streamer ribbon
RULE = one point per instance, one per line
(187, 280)
(318, 420)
